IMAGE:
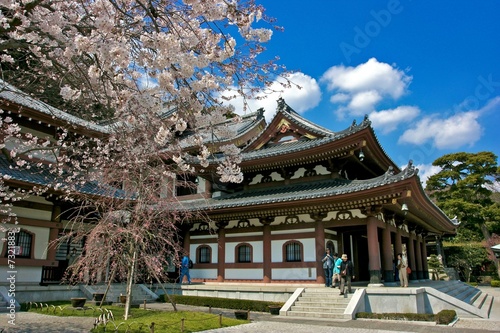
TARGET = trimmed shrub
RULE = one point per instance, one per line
(224, 303)
(495, 283)
(444, 317)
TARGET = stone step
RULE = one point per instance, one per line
(484, 303)
(308, 314)
(320, 303)
(468, 295)
(116, 290)
(300, 308)
(338, 299)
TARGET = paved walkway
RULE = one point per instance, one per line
(264, 322)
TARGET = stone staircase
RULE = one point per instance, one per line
(139, 292)
(466, 293)
(5, 305)
(326, 303)
(320, 302)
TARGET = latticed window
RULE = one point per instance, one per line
(293, 251)
(204, 254)
(22, 249)
(244, 253)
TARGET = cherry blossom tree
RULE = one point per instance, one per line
(148, 78)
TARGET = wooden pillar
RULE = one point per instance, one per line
(418, 257)
(266, 239)
(373, 250)
(187, 242)
(411, 256)
(388, 273)
(319, 245)
(398, 242)
(221, 256)
(424, 257)
(54, 233)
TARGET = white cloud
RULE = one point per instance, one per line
(365, 85)
(425, 171)
(387, 121)
(461, 129)
(339, 98)
(363, 102)
(300, 99)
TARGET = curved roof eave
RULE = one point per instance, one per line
(244, 131)
(387, 187)
(43, 112)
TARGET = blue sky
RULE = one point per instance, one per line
(427, 73)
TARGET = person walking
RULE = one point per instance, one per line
(401, 266)
(346, 275)
(328, 268)
(185, 269)
(336, 270)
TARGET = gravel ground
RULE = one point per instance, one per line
(28, 322)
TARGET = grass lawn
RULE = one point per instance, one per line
(140, 319)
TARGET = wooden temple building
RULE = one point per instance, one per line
(305, 188)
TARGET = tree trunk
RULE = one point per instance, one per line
(108, 286)
(487, 236)
(129, 284)
(166, 293)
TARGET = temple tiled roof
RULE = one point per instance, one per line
(301, 145)
(296, 118)
(324, 136)
(12, 94)
(302, 191)
(39, 175)
(234, 129)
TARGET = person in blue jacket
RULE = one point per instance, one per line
(185, 269)
(336, 270)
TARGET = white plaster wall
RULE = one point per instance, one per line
(257, 255)
(34, 214)
(201, 185)
(355, 213)
(244, 274)
(293, 231)
(304, 273)
(22, 274)
(208, 273)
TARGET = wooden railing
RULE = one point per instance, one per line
(51, 275)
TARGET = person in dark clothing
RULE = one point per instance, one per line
(346, 274)
(328, 262)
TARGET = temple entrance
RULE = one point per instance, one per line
(355, 244)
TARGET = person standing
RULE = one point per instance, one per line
(401, 266)
(185, 269)
(328, 268)
(346, 274)
(336, 270)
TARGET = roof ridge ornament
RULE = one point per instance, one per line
(410, 170)
(282, 106)
(260, 113)
(354, 125)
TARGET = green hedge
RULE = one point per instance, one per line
(495, 283)
(224, 303)
(444, 317)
